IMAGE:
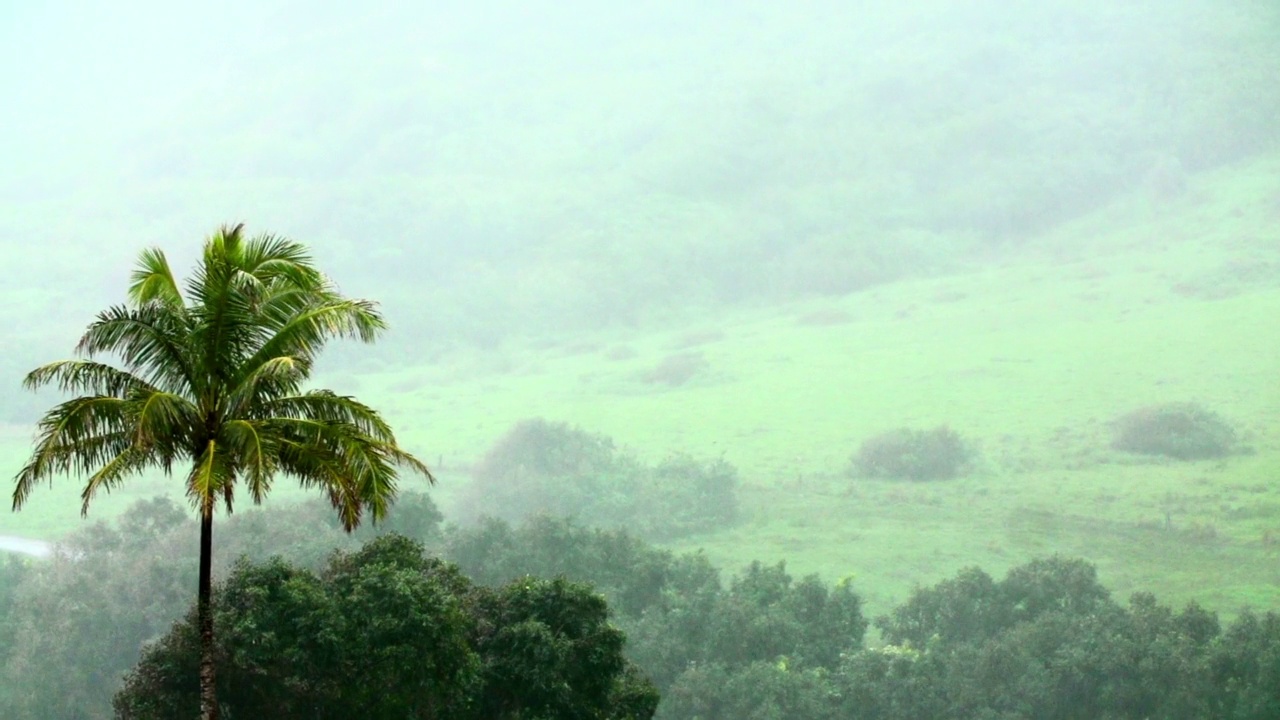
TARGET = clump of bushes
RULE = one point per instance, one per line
(676, 370)
(912, 454)
(543, 467)
(1182, 431)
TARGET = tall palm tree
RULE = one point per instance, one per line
(213, 378)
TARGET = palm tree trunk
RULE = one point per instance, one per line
(204, 611)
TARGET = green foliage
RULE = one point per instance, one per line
(211, 377)
(382, 634)
(971, 607)
(13, 572)
(1182, 431)
(632, 573)
(76, 622)
(549, 652)
(677, 614)
(908, 454)
(404, 633)
(1047, 642)
(387, 633)
(1245, 669)
(544, 467)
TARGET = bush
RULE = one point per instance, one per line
(1182, 431)
(541, 467)
(676, 370)
(682, 496)
(907, 454)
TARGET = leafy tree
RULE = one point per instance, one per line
(214, 378)
(1048, 643)
(964, 608)
(387, 633)
(79, 617)
(382, 633)
(629, 571)
(1245, 668)
(676, 612)
(549, 652)
(971, 607)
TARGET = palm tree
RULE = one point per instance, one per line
(213, 378)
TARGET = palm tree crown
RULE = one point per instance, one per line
(214, 377)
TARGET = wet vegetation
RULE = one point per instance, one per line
(551, 617)
(1182, 431)
(907, 454)
(541, 467)
(902, 362)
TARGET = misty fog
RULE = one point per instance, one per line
(880, 290)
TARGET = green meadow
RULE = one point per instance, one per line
(1030, 358)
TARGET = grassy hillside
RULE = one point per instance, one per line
(1032, 357)
(1138, 304)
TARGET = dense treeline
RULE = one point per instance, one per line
(1045, 641)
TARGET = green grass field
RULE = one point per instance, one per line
(1030, 357)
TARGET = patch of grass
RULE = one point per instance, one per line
(697, 338)
(824, 317)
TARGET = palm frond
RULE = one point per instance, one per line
(163, 418)
(86, 376)
(327, 406)
(53, 459)
(152, 281)
(150, 342)
(357, 472)
(222, 310)
(83, 418)
(305, 332)
(318, 466)
(128, 462)
(256, 451)
(211, 474)
(279, 376)
(277, 259)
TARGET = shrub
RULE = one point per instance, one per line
(908, 454)
(539, 447)
(683, 495)
(1182, 431)
(676, 370)
(560, 470)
